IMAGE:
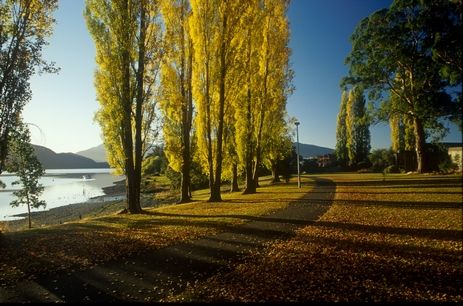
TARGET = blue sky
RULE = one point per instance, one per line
(63, 105)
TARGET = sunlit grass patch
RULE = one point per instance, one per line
(98, 239)
(420, 207)
(369, 246)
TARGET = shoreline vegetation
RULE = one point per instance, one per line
(93, 207)
(70, 212)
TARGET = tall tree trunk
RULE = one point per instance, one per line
(185, 184)
(3, 147)
(187, 114)
(133, 206)
(209, 134)
(207, 98)
(250, 182)
(419, 145)
(185, 175)
(186, 166)
(256, 170)
(234, 183)
(261, 124)
(138, 110)
(215, 194)
(29, 212)
(275, 174)
(258, 148)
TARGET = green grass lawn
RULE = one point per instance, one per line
(397, 238)
(393, 240)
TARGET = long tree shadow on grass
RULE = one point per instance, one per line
(404, 183)
(439, 234)
(155, 274)
(335, 268)
(404, 250)
(402, 204)
(397, 192)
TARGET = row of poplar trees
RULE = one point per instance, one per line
(352, 130)
(218, 71)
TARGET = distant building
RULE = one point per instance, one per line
(455, 151)
(407, 159)
(325, 160)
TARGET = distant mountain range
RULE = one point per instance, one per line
(97, 153)
(96, 157)
(51, 160)
(308, 150)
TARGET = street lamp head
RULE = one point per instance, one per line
(297, 123)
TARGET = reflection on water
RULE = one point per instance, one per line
(62, 187)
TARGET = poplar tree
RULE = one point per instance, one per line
(245, 104)
(279, 144)
(201, 26)
(397, 133)
(402, 134)
(275, 75)
(401, 126)
(176, 90)
(213, 29)
(128, 37)
(357, 124)
(265, 61)
(24, 27)
(341, 152)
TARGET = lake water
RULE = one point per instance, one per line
(62, 187)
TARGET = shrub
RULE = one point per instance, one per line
(447, 166)
(174, 178)
(392, 169)
(199, 180)
(381, 158)
(364, 170)
(152, 165)
(363, 164)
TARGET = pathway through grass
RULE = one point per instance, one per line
(393, 240)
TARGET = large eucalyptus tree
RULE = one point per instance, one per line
(406, 51)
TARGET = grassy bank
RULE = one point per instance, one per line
(397, 238)
(393, 238)
(93, 240)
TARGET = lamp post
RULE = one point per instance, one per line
(298, 171)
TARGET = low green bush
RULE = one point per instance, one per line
(392, 169)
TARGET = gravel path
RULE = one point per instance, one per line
(150, 277)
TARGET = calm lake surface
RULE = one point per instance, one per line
(62, 187)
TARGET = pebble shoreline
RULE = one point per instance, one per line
(66, 213)
(96, 206)
(71, 212)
